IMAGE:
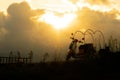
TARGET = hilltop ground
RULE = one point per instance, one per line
(106, 68)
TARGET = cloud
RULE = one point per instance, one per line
(104, 21)
(23, 32)
(19, 27)
(2, 25)
(98, 2)
(19, 9)
(92, 2)
(74, 1)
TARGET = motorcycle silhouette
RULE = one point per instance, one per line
(85, 50)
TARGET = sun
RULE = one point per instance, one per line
(29, 1)
(56, 21)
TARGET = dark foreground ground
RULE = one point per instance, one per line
(102, 69)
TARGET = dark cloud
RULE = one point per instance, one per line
(19, 17)
(19, 23)
(19, 28)
(25, 33)
(19, 10)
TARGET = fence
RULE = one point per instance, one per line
(7, 60)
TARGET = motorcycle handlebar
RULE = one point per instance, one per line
(76, 39)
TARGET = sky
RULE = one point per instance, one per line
(44, 26)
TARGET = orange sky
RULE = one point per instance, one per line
(53, 4)
(62, 3)
(41, 24)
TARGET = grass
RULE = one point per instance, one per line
(100, 69)
(105, 67)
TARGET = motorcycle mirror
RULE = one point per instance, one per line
(71, 38)
(83, 38)
(71, 33)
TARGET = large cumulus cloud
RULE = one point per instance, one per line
(19, 27)
(22, 32)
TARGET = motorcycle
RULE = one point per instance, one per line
(85, 50)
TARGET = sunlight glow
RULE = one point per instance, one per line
(83, 30)
(58, 22)
(5, 13)
(118, 16)
(29, 1)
